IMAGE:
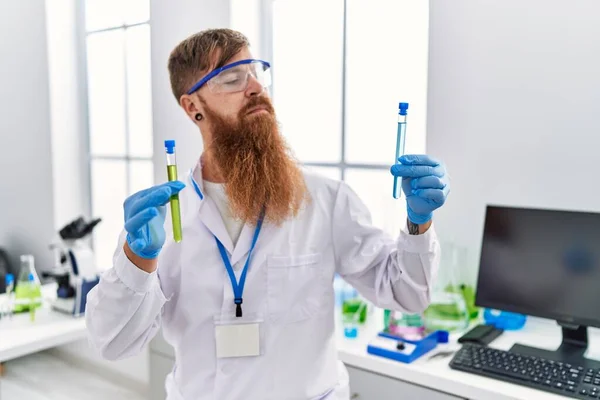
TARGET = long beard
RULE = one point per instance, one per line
(256, 163)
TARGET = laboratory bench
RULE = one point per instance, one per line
(377, 378)
(19, 336)
(371, 377)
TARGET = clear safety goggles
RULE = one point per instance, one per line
(234, 77)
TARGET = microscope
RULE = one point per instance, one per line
(75, 268)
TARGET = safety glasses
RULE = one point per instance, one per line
(234, 77)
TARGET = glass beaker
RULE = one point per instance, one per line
(405, 325)
(448, 309)
(351, 321)
(28, 292)
(354, 309)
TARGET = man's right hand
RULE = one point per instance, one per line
(144, 221)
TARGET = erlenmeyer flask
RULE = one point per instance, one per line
(28, 291)
(448, 310)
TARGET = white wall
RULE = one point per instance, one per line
(514, 94)
(68, 110)
(26, 202)
(171, 22)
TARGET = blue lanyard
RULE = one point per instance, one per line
(238, 288)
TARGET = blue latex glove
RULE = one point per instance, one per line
(425, 184)
(145, 217)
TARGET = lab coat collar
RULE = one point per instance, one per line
(245, 241)
(208, 211)
(211, 218)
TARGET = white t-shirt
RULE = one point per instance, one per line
(216, 191)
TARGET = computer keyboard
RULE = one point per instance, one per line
(550, 376)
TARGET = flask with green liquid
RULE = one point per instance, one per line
(28, 291)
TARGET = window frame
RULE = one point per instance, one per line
(266, 34)
(89, 159)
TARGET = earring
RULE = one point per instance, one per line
(198, 117)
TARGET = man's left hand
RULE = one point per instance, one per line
(425, 184)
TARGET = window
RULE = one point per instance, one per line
(117, 46)
(340, 68)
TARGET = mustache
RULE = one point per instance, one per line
(257, 101)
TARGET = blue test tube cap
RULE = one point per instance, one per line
(443, 336)
(402, 107)
(170, 146)
(9, 279)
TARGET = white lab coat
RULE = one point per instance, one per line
(288, 289)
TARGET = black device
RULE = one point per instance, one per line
(78, 228)
(5, 268)
(481, 334)
(544, 263)
(551, 376)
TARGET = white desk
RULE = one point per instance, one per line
(437, 375)
(384, 379)
(19, 336)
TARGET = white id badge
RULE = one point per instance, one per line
(237, 337)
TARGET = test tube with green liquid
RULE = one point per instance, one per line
(172, 176)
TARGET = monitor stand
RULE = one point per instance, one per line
(571, 350)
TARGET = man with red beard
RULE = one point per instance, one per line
(246, 298)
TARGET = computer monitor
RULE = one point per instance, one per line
(543, 263)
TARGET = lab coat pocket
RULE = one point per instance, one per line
(296, 287)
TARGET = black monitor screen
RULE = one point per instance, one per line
(541, 262)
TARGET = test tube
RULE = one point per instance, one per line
(9, 303)
(400, 140)
(32, 297)
(172, 176)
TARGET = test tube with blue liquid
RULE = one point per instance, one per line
(400, 142)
